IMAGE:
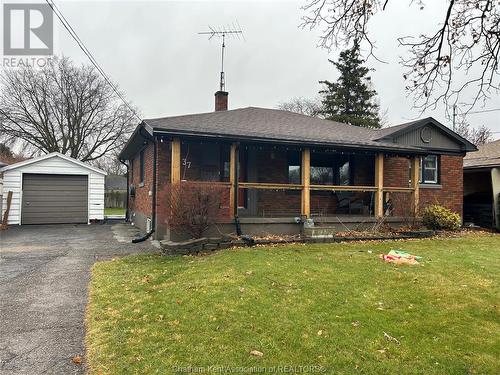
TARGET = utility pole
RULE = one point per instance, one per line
(454, 116)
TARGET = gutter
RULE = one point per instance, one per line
(374, 148)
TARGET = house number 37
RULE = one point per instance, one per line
(186, 163)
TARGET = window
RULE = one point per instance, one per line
(321, 175)
(429, 170)
(294, 174)
(345, 174)
(326, 169)
(294, 171)
(141, 166)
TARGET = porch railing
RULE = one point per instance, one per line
(305, 187)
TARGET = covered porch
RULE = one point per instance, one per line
(282, 184)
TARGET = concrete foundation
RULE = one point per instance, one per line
(286, 226)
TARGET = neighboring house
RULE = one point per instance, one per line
(292, 166)
(482, 186)
(53, 189)
(115, 191)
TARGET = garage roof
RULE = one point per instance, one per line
(49, 156)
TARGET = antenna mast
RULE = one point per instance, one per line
(221, 33)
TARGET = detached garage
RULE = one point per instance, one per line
(53, 189)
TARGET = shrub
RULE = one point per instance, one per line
(438, 217)
(195, 207)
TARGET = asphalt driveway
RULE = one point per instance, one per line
(44, 275)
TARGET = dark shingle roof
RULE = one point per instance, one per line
(272, 124)
(396, 128)
(488, 155)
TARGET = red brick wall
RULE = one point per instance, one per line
(162, 186)
(450, 191)
(142, 201)
(396, 171)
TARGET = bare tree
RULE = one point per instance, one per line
(468, 40)
(478, 136)
(63, 108)
(8, 156)
(110, 163)
(304, 106)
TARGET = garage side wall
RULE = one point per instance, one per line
(55, 165)
(12, 182)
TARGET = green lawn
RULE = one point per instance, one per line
(114, 211)
(304, 305)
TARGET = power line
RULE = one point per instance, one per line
(87, 52)
(484, 111)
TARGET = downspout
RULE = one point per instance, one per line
(153, 191)
(126, 208)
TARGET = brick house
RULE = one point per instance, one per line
(280, 167)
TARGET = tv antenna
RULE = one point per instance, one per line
(233, 31)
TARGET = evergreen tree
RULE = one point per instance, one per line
(350, 99)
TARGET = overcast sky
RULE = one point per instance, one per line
(152, 50)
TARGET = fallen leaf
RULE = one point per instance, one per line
(77, 360)
(256, 353)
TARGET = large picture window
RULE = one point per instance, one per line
(429, 170)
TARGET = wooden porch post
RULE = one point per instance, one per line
(175, 161)
(379, 184)
(306, 181)
(233, 180)
(415, 184)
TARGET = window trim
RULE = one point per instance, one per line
(437, 170)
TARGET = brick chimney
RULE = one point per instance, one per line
(221, 100)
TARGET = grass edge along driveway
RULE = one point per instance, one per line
(334, 306)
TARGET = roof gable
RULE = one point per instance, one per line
(50, 156)
(427, 134)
